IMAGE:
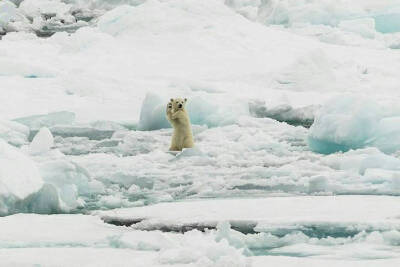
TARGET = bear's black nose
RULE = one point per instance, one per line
(180, 106)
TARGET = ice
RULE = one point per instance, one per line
(64, 230)
(388, 23)
(71, 182)
(13, 132)
(256, 75)
(53, 183)
(327, 12)
(289, 12)
(48, 17)
(190, 152)
(387, 136)
(344, 123)
(347, 122)
(298, 228)
(153, 113)
(19, 177)
(42, 142)
(84, 234)
(11, 18)
(258, 214)
(47, 120)
(201, 110)
(364, 27)
(46, 182)
(76, 234)
(285, 113)
(349, 23)
(38, 7)
(81, 131)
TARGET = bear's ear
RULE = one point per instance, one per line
(185, 99)
(172, 100)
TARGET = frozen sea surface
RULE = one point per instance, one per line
(294, 110)
(364, 232)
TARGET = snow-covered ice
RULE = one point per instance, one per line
(294, 111)
(19, 178)
(364, 238)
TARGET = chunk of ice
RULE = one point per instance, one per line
(153, 114)
(42, 142)
(344, 123)
(19, 177)
(14, 133)
(202, 111)
(47, 120)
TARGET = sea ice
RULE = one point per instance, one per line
(36, 122)
(11, 19)
(42, 142)
(202, 111)
(19, 177)
(388, 22)
(344, 123)
(14, 133)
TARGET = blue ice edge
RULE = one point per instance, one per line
(387, 23)
(326, 147)
(350, 122)
(31, 76)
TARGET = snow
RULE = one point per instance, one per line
(350, 227)
(78, 233)
(294, 111)
(67, 256)
(291, 261)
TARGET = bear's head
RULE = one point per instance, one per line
(178, 103)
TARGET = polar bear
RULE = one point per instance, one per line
(180, 121)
